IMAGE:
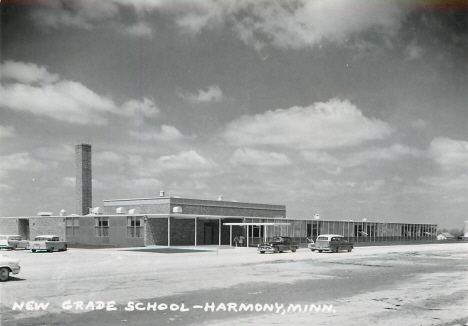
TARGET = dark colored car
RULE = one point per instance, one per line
(278, 244)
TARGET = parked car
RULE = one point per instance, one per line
(13, 242)
(278, 244)
(48, 243)
(331, 242)
(7, 266)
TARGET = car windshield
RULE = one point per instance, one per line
(42, 238)
(276, 239)
(322, 238)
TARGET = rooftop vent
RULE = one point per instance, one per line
(120, 210)
(317, 217)
(177, 209)
(133, 211)
(97, 210)
(161, 193)
(63, 212)
(45, 214)
(220, 198)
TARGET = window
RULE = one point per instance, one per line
(72, 224)
(101, 224)
(257, 231)
(134, 227)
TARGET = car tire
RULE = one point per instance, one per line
(350, 249)
(262, 252)
(4, 274)
(33, 250)
(335, 250)
(65, 248)
(320, 251)
(293, 249)
(275, 250)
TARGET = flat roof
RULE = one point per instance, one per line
(190, 201)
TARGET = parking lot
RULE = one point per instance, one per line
(385, 285)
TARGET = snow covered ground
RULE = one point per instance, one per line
(385, 285)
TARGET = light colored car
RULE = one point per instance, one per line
(7, 266)
(48, 243)
(14, 241)
(331, 242)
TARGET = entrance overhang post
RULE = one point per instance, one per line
(230, 235)
(168, 231)
(195, 231)
(248, 234)
(219, 236)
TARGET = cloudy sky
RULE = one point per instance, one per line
(349, 109)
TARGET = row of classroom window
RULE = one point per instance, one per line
(355, 231)
(101, 226)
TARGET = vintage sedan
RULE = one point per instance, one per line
(13, 242)
(48, 243)
(7, 266)
(332, 242)
(278, 244)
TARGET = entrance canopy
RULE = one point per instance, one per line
(252, 224)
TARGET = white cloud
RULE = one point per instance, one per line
(65, 100)
(7, 131)
(58, 153)
(388, 154)
(450, 154)
(69, 182)
(414, 52)
(452, 184)
(77, 13)
(19, 162)
(27, 73)
(148, 183)
(138, 29)
(212, 94)
(106, 157)
(420, 124)
(184, 160)
(188, 161)
(5, 187)
(252, 157)
(336, 164)
(321, 158)
(137, 108)
(333, 124)
(445, 189)
(167, 133)
(283, 24)
(292, 24)
(331, 186)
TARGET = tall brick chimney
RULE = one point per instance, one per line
(84, 183)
